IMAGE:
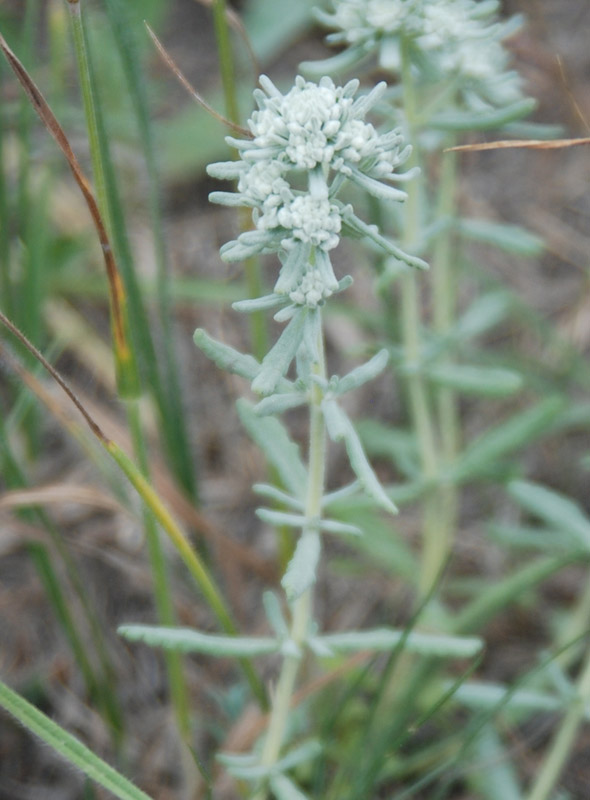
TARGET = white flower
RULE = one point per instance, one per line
(318, 129)
(312, 220)
(311, 291)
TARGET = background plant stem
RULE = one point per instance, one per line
(444, 309)
(561, 748)
(419, 402)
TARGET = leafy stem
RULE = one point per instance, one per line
(302, 606)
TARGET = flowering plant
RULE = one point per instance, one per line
(460, 41)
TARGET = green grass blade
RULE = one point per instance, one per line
(169, 395)
(68, 746)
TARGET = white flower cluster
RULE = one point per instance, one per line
(457, 39)
(304, 146)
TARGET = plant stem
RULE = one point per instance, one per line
(162, 595)
(417, 391)
(561, 747)
(302, 608)
(444, 305)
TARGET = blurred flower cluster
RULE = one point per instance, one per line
(447, 40)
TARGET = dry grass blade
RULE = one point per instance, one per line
(54, 494)
(48, 118)
(531, 144)
(94, 427)
(169, 61)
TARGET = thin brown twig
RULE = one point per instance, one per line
(18, 334)
(49, 119)
(531, 144)
(171, 64)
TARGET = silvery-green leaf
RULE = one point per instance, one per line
(339, 528)
(385, 639)
(278, 360)
(258, 303)
(483, 314)
(367, 101)
(301, 570)
(319, 648)
(225, 357)
(342, 62)
(336, 420)
(277, 403)
(274, 615)
(553, 508)
(366, 372)
(372, 232)
(286, 313)
(487, 381)
(280, 518)
(345, 282)
(274, 493)
(306, 751)
(254, 773)
(325, 269)
(341, 494)
(272, 438)
(284, 789)
(225, 170)
(187, 640)
(231, 199)
(237, 759)
(341, 428)
(511, 238)
(481, 120)
(240, 251)
(478, 694)
(505, 438)
(293, 267)
(378, 189)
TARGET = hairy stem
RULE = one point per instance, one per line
(302, 607)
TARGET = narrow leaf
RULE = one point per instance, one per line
(278, 360)
(301, 570)
(482, 120)
(511, 238)
(225, 357)
(487, 381)
(385, 639)
(366, 372)
(272, 438)
(506, 438)
(553, 508)
(341, 428)
(187, 640)
(68, 746)
(284, 789)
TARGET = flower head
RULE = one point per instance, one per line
(305, 145)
